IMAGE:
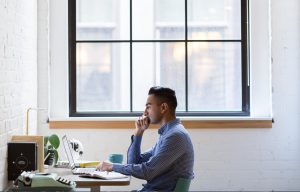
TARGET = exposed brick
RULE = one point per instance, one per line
(3, 140)
(18, 66)
(1, 100)
(2, 127)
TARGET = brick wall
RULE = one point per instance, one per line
(18, 72)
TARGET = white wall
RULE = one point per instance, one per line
(18, 72)
(44, 62)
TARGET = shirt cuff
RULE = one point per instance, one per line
(117, 167)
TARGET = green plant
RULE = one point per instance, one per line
(51, 144)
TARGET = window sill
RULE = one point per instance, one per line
(188, 122)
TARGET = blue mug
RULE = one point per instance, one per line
(115, 158)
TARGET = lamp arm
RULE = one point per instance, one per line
(27, 114)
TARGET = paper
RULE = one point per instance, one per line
(104, 175)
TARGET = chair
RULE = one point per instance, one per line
(182, 185)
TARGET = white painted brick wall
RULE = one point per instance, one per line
(18, 72)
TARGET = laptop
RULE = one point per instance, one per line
(75, 170)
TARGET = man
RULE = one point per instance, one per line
(171, 158)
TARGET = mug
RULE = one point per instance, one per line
(115, 158)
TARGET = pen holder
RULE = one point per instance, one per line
(115, 158)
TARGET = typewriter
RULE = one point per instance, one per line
(30, 181)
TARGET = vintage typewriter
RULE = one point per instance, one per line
(30, 181)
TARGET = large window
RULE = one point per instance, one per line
(118, 49)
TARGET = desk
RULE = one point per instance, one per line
(93, 184)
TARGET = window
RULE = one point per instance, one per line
(118, 49)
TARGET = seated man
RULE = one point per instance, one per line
(171, 158)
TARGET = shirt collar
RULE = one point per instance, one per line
(168, 125)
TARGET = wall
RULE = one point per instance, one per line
(43, 60)
(285, 141)
(18, 72)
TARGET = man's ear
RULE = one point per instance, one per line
(164, 107)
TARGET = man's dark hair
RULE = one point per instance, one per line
(165, 95)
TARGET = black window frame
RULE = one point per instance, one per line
(245, 69)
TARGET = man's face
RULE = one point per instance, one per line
(153, 109)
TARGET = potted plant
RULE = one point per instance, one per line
(51, 144)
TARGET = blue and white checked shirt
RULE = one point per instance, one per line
(171, 158)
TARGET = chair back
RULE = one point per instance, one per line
(182, 185)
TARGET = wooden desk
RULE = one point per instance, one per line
(93, 184)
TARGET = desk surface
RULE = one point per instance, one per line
(89, 182)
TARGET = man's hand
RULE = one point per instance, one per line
(105, 166)
(141, 124)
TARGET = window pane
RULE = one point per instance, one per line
(214, 76)
(161, 64)
(148, 16)
(103, 77)
(102, 19)
(218, 19)
(115, 72)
